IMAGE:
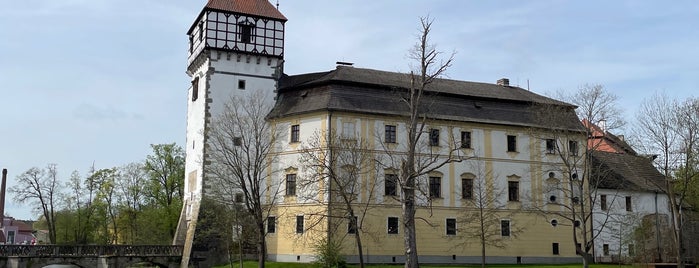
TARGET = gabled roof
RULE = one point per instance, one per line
(626, 172)
(260, 8)
(602, 140)
(370, 91)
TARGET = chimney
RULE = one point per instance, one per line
(603, 125)
(2, 197)
(504, 82)
(344, 63)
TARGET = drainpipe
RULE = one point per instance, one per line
(657, 228)
(2, 197)
(330, 157)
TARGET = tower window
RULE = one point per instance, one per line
(246, 31)
(603, 202)
(195, 89)
(241, 84)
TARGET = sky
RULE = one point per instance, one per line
(86, 82)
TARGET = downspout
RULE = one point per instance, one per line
(330, 157)
(657, 229)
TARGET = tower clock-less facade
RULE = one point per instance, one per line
(235, 47)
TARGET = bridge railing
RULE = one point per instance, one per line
(89, 250)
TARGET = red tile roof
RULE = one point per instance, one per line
(262, 8)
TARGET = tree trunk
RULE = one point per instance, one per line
(261, 245)
(411, 260)
(359, 248)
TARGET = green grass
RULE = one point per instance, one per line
(253, 264)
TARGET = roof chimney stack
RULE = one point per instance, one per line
(504, 82)
(344, 63)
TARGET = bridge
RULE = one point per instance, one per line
(89, 256)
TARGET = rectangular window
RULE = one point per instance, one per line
(465, 139)
(467, 188)
(390, 134)
(290, 184)
(628, 204)
(631, 250)
(348, 130)
(513, 191)
(295, 133)
(451, 226)
(239, 197)
(505, 228)
(434, 137)
(550, 146)
(352, 226)
(299, 224)
(195, 89)
(555, 248)
(392, 225)
(511, 143)
(435, 187)
(573, 148)
(605, 249)
(390, 183)
(246, 32)
(271, 225)
(603, 202)
(241, 84)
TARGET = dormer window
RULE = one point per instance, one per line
(245, 31)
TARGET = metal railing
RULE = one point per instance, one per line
(89, 250)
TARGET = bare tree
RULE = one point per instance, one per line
(671, 127)
(40, 187)
(241, 141)
(597, 105)
(484, 209)
(417, 159)
(341, 161)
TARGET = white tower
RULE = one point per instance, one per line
(235, 47)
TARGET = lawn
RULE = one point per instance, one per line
(252, 264)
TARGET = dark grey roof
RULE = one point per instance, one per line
(380, 92)
(626, 172)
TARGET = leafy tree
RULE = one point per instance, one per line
(165, 169)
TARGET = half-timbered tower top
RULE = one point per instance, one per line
(242, 26)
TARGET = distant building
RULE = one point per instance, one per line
(15, 232)
(632, 209)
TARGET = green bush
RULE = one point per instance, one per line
(328, 254)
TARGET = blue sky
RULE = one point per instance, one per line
(97, 81)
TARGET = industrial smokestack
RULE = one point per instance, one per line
(2, 196)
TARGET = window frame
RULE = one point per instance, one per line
(435, 186)
(629, 206)
(246, 32)
(290, 184)
(299, 224)
(390, 133)
(505, 226)
(295, 133)
(513, 191)
(390, 180)
(195, 88)
(348, 130)
(389, 223)
(550, 146)
(603, 202)
(512, 143)
(352, 225)
(434, 137)
(466, 140)
(271, 224)
(448, 228)
(467, 186)
(573, 148)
